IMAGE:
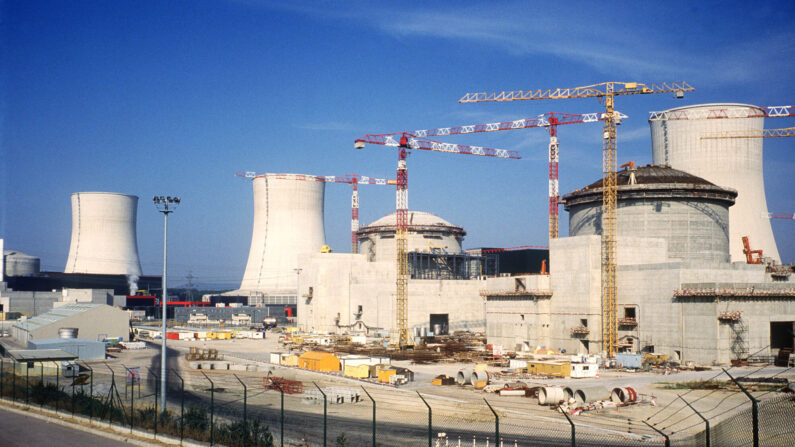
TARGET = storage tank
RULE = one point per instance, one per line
(288, 221)
(426, 233)
(690, 213)
(16, 263)
(104, 239)
(727, 162)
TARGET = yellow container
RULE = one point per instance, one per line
(211, 335)
(223, 335)
(289, 360)
(319, 361)
(358, 371)
(555, 369)
(385, 374)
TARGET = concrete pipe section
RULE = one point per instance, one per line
(551, 395)
(624, 395)
(568, 393)
(464, 377)
(591, 394)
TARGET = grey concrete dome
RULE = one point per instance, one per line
(426, 233)
(690, 213)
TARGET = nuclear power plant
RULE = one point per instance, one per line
(697, 271)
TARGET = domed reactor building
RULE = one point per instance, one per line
(679, 294)
(343, 292)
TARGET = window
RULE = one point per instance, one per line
(629, 312)
(584, 322)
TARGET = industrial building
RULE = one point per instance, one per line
(343, 292)
(91, 321)
(686, 288)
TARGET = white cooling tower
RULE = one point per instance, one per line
(676, 137)
(288, 221)
(104, 237)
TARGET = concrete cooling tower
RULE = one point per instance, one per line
(676, 137)
(104, 237)
(288, 221)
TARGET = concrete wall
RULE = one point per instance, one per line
(342, 282)
(694, 229)
(516, 321)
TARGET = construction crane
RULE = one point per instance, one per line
(549, 120)
(788, 216)
(750, 133)
(404, 142)
(353, 179)
(606, 91)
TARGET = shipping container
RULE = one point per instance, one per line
(319, 361)
(357, 371)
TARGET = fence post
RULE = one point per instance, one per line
(281, 419)
(496, 424)
(667, 440)
(706, 421)
(373, 400)
(41, 383)
(27, 385)
(212, 409)
(110, 393)
(754, 408)
(2, 370)
(90, 391)
(157, 383)
(73, 386)
(430, 418)
(14, 381)
(245, 419)
(57, 384)
(573, 431)
(181, 405)
(132, 396)
(325, 414)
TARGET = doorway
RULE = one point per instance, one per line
(440, 324)
(781, 335)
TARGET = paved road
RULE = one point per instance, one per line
(25, 431)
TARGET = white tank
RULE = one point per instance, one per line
(288, 221)
(734, 163)
(104, 237)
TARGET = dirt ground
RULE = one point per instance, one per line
(454, 403)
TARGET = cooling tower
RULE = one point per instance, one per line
(728, 162)
(288, 221)
(104, 234)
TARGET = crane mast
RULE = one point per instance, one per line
(405, 141)
(607, 91)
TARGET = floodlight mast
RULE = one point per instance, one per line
(165, 205)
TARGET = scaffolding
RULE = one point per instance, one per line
(451, 266)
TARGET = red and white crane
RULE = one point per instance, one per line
(787, 216)
(549, 120)
(353, 179)
(406, 141)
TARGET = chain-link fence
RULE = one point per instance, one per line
(226, 408)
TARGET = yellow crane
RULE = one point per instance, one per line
(606, 91)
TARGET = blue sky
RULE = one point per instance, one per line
(174, 97)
